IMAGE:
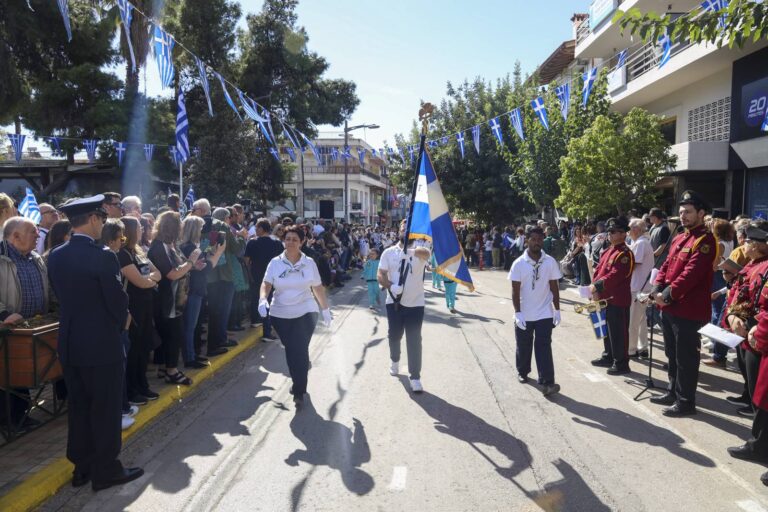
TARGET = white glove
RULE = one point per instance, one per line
(520, 320)
(396, 289)
(327, 317)
(263, 307)
(556, 319)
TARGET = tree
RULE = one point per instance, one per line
(739, 22)
(614, 165)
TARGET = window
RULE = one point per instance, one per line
(668, 127)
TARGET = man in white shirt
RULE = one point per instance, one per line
(536, 299)
(48, 217)
(405, 304)
(643, 251)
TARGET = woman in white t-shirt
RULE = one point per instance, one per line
(293, 311)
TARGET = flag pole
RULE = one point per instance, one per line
(181, 184)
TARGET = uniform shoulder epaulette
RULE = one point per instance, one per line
(705, 248)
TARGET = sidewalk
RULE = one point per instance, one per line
(34, 468)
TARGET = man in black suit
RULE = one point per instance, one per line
(93, 313)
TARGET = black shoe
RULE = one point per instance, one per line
(747, 411)
(665, 366)
(201, 359)
(745, 452)
(643, 354)
(636, 355)
(522, 379)
(268, 338)
(138, 400)
(665, 399)
(80, 478)
(236, 328)
(196, 365)
(602, 362)
(127, 475)
(230, 343)
(738, 400)
(217, 351)
(619, 370)
(298, 401)
(150, 395)
(678, 410)
(764, 478)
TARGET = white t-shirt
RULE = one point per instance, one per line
(317, 229)
(293, 286)
(643, 252)
(534, 277)
(413, 293)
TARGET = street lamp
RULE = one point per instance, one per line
(348, 129)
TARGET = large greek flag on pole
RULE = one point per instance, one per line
(182, 129)
(28, 207)
(431, 221)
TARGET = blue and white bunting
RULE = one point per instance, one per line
(17, 142)
(432, 144)
(563, 93)
(126, 15)
(444, 141)
(90, 148)
(201, 68)
(28, 207)
(174, 154)
(476, 137)
(64, 9)
(412, 153)
(227, 96)
(460, 142)
(163, 43)
(496, 129)
(541, 111)
(189, 199)
(182, 129)
(665, 42)
(516, 120)
(291, 153)
(346, 154)
(361, 156)
(149, 150)
(275, 153)
(313, 148)
(373, 152)
(716, 5)
(334, 154)
(251, 109)
(57, 151)
(196, 151)
(120, 150)
(622, 58)
(589, 81)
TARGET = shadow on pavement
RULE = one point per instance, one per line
(569, 493)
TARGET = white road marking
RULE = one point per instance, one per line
(750, 506)
(399, 477)
(595, 377)
(502, 302)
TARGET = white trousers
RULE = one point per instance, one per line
(638, 327)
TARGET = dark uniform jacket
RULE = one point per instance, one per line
(685, 278)
(93, 306)
(613, 275)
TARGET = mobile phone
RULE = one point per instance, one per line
(221, 238)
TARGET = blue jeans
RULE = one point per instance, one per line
(487, 258)
(191, 314)
(537, 337)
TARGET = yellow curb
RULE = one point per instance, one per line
(43, 484)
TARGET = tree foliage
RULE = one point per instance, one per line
(614, 165)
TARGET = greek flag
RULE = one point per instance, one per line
(17, 141)
(120, 150)
(622, 58)
(204, 82)
(589, 81)
(334, 154)
(431, 221)
(346, 153)
(164, 55)
(90, 149)
(599, 323)
(460, 142)
(126, 15)
(382, 155)
(227, 96)
(57, 151)
(64, 9)
(432, 143)
(716, 5)
(666, 49)
(291, 153)
(444, 141)
(251, 110)
(516, 120)
(275, 153)
(476, 137)
(373, 152)
(173, 153)
(563, 93)
(412, 152)
(28, 207)
(149, 150)
(402, 154)
(196, 151)
(289, 135)
(541, 111)
(182, 129)
(361, 156)
(313, 148)
(189, 199)
(496, 129)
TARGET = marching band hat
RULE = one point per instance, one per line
(617, 224)
(694, 199)
(757, 231)
(83, 205)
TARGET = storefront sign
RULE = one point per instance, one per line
(754, 105)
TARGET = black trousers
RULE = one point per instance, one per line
(170, 330)
(752, 368)
(759, 441)
(408, 320)
(682, 345)
(617, 342)
(94, 414)
(743, 369)
(141, 334)
(295, 335)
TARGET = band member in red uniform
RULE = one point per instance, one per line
(682, 291)
(612, 283)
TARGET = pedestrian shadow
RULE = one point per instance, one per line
(571, 492)
(631, 428)
(332, 444)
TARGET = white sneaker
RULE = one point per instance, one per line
(132, 412)
(127, 421)
(416, 386)
(394, 368)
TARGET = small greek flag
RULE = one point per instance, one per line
(291, 153)
(516, 119)
(275, 153)
(541, 111)
(313, 148)
(563, 93)
(189, 199)
(120, 150)
(173, 153)
(432, 143)
(252, 110)
(149, 150)
(496, 129)
(164, 55)
(589, 81)
(90, 149)
(444, 141)
(460, 142)
(64, 9)
(196, 151)
(622, 58)
(666, 49)
(126, 15)
(204, 82)
(346, 153)
(373, 153)
(182, 129)
(476, 137)
(28, 207)
(334, 154)
(17, 141)
(716, 5)
(57, 151)
(361, 156)
(227, 96)
(599, 323)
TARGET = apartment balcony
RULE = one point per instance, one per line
(701, 156)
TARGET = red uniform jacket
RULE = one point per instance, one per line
(614, 274)
(760, 398)
(744, 290)
(686, 275)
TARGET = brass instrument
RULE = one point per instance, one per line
(592, 306)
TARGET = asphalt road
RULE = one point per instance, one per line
(476, 439)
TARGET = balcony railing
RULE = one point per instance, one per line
(339, 169)
(583, 31)
(647, 57)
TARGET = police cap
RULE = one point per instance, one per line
(694, 199)
(617, 224)
(757, 231)
(83, 205)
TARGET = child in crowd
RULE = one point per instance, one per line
(370, 272)
(437, 279)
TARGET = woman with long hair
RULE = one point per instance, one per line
(165, 256)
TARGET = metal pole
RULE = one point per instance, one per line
(181, 184)
(346, 176)
(301, 203)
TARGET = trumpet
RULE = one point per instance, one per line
(592, 306)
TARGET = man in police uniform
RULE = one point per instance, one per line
(682, 291)
(613, 276)
(93, 313)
